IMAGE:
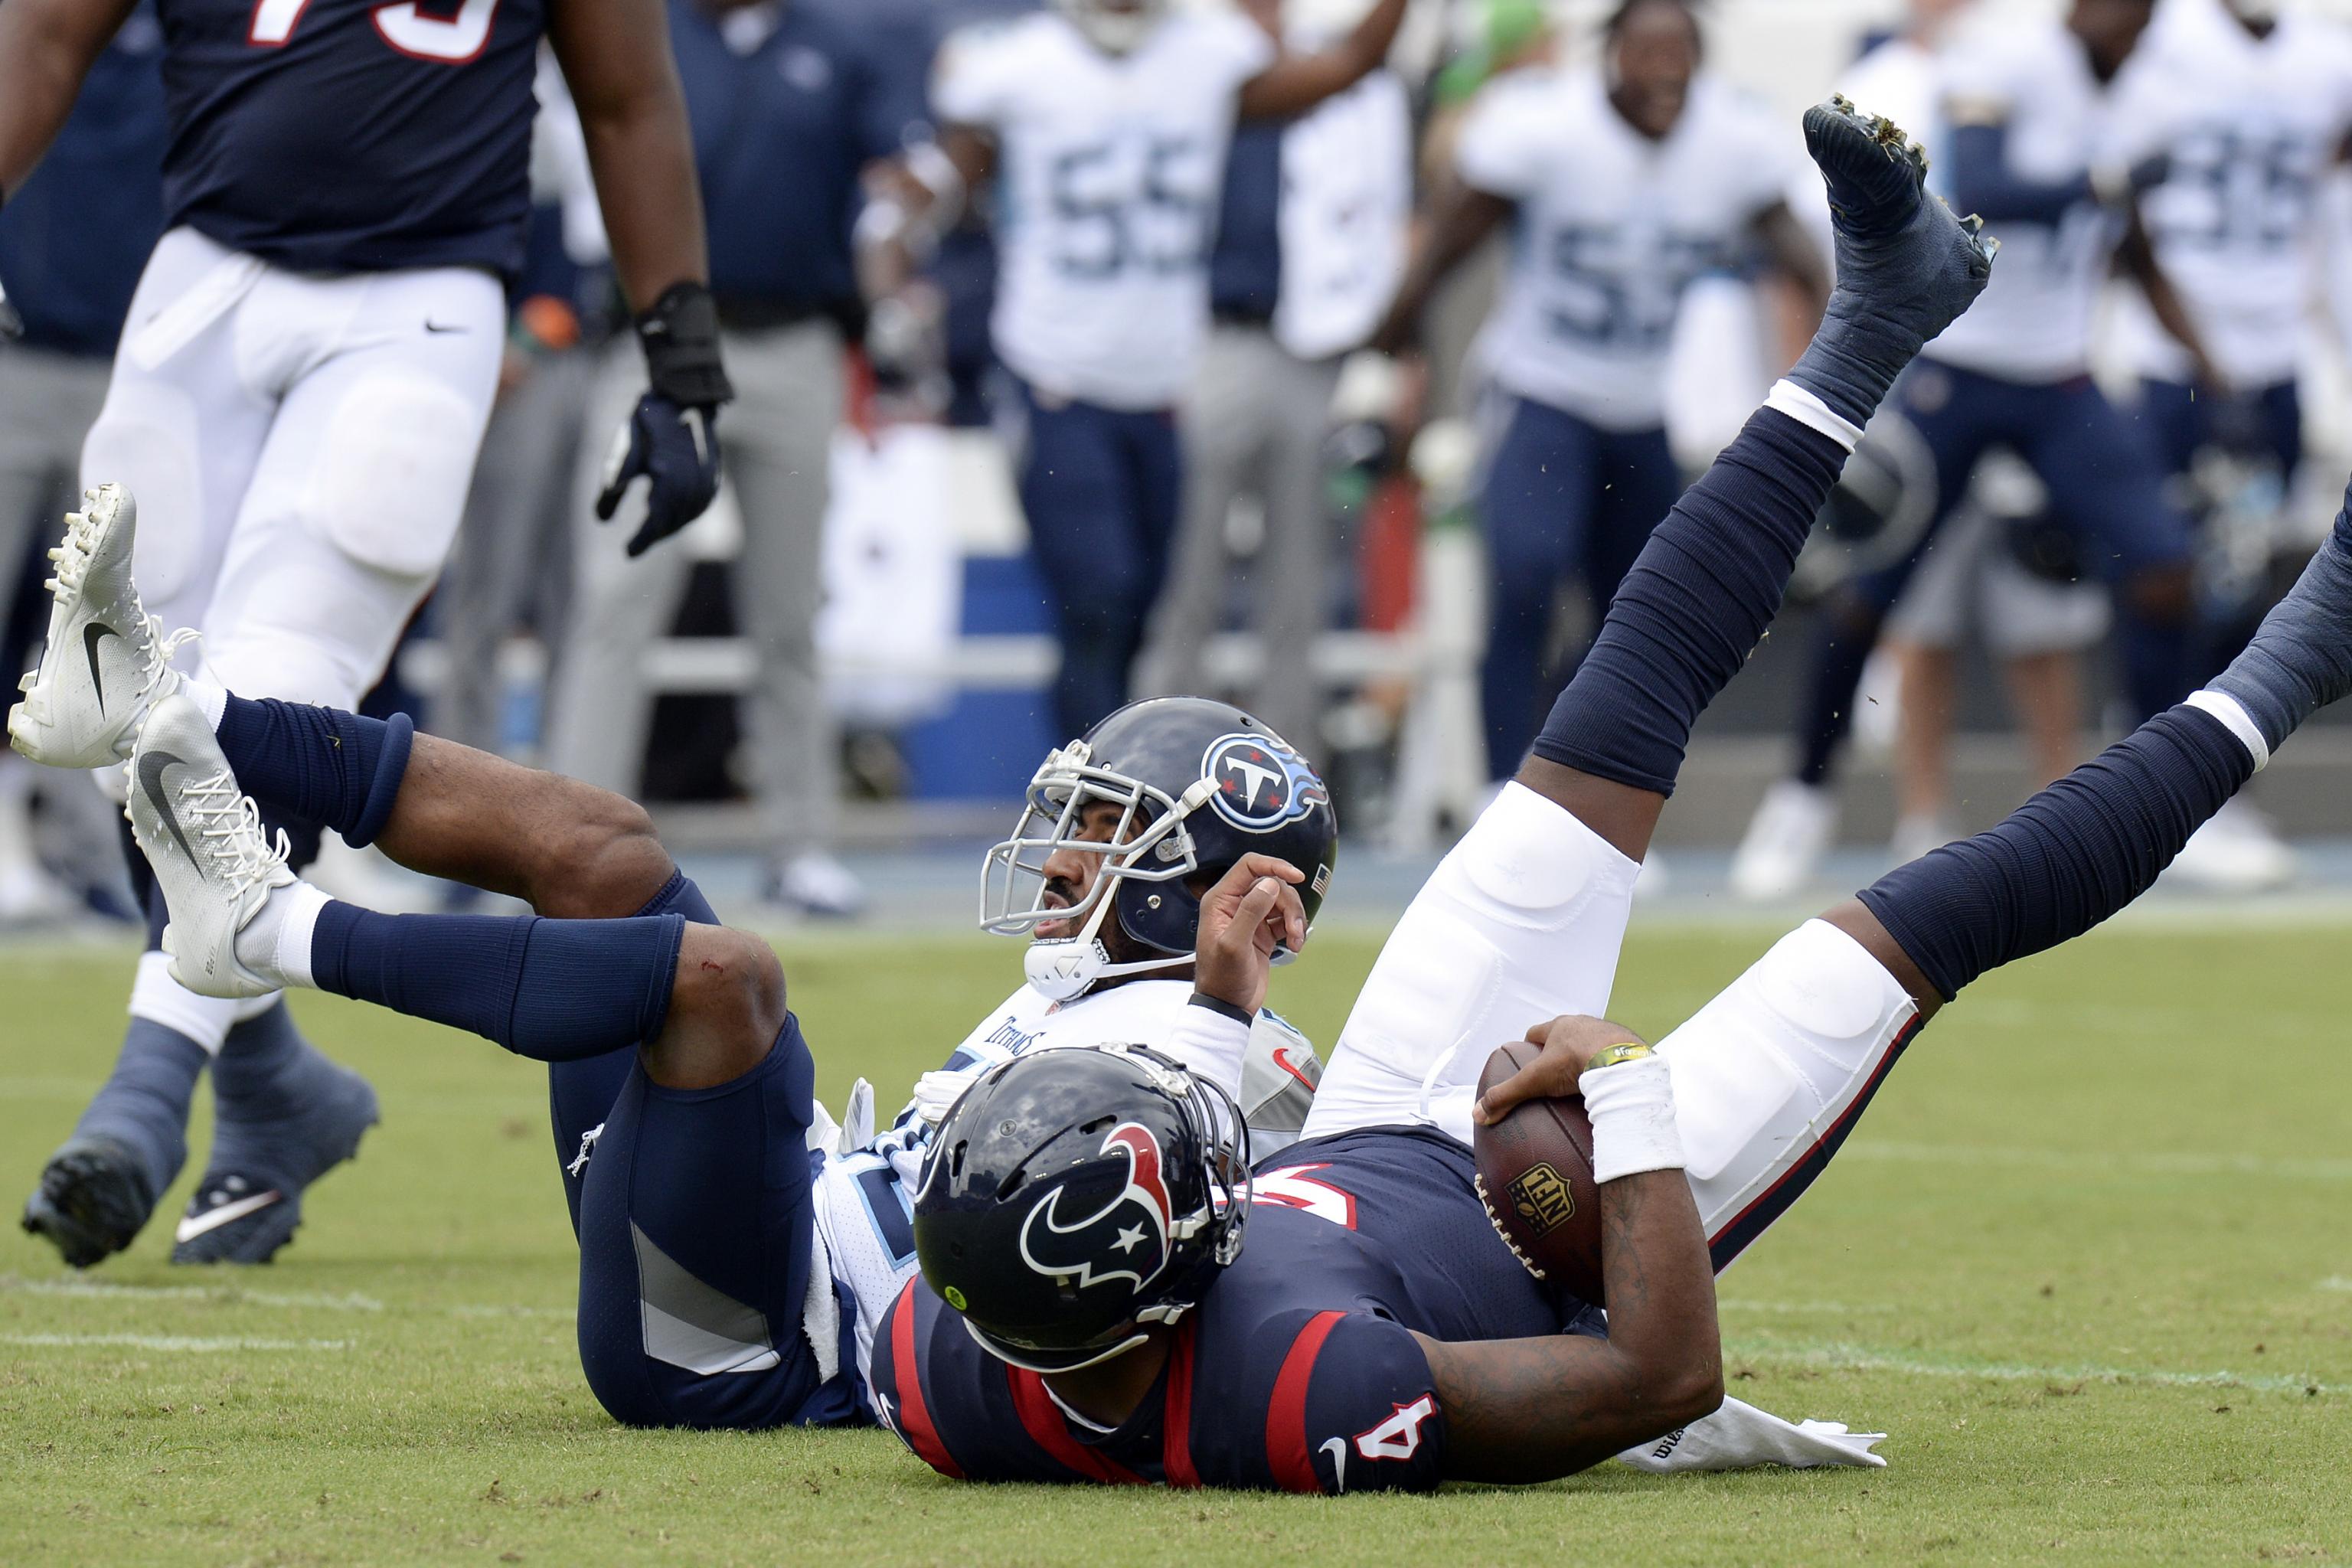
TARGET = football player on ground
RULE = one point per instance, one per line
(1088, 1309)
(1107, 122)
(299, 398)
(2047, 142)
(1626, 181)
(737, 1246)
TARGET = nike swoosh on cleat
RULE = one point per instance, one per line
(150, 779)
(437, 328)
(194, 1226)
(90, 635)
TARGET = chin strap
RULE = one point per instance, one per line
(1064, 968)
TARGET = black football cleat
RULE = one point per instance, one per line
(93, 1199)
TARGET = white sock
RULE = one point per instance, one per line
(212, 699)
(160, 999)
(288, 961)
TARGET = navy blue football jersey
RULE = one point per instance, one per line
(348, 135)
(1297, 1370)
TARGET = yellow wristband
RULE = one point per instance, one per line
(1626, 1051)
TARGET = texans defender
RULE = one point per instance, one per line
(737, 1247)
(298, 398)
(1626, 181)
(1088, 1309)
(2051, 130)
(1109, 120)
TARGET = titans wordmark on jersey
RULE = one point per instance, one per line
(353, 136)
(1110, 172)
(1612, 228)
(1297, 1372)
(864, 1204)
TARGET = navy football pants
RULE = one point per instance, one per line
(1563, 499)
(1102, 488)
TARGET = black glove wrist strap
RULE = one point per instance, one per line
(681, 337)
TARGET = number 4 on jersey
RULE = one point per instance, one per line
(452, 40)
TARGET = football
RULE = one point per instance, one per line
(1535, 1176)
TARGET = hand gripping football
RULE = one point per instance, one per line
(1535, 1176)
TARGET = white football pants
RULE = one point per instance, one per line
(1523, 922)
(299, 448)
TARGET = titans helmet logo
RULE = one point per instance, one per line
(1127, 1238)
(1260, 783)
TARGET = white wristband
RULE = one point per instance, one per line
(1633, 1109)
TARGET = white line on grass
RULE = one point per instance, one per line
(225, 1295)
(171, 1342)
(1825, 1309)
(2179, 1165)
(1861, 1358)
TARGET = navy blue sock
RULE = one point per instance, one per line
(2066, 859)
(1689, 613)
(319, 763)
(551, 990)
(144, 1104)
(2300, 659)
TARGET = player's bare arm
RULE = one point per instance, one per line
(2135, 260)
(615, 56)
(1794, 256)
(47, 47)
(1294, 84)
(1463, 217)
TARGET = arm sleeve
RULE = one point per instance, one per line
(1502, 150)
(1354, 1409)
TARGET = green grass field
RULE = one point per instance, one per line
(2088, 1259)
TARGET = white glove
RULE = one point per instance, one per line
(937, 1091)
(1739, 1437)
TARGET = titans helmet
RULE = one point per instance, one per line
(1199, 784)
(1072, 1196)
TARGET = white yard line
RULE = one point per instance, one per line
(175, 1343)
(1862, 1358)
(224, 1295)
(1823, 1309)
(2177, 1164)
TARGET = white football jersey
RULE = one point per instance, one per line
(2253, 126)
(1110, 171)
(1612, 228)
(2032, 322)
(865, 1201)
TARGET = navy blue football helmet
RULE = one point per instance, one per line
(1072, 1196)
(1199, 784)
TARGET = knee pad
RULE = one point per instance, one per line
(397, 461)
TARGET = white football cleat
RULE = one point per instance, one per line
(1785, 842)
(204, 838)
(2236, 851)
(106, 661)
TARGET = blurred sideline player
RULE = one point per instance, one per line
(737, 1246)
(71, 243)
(1105, 1297)
(1109, 121)
(2262, 101)
(2036, 628)
(2050, 131)
(299, 397)
(1087, 1309)
(1626, 181)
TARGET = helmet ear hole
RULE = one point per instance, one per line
(955, 1157)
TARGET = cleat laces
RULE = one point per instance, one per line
(229, 825)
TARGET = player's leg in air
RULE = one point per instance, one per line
(1524, 920)
(694, 1216)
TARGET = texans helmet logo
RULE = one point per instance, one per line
(1260, 783)
(1127, 1238)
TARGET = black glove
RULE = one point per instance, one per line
(669, 438)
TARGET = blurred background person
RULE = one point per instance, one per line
(789, 103)
(1109, 121)
(72, 242)
(1310, 235)
(2259, 98)
(512, 566)
(1626, 181)
(2044, 138)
